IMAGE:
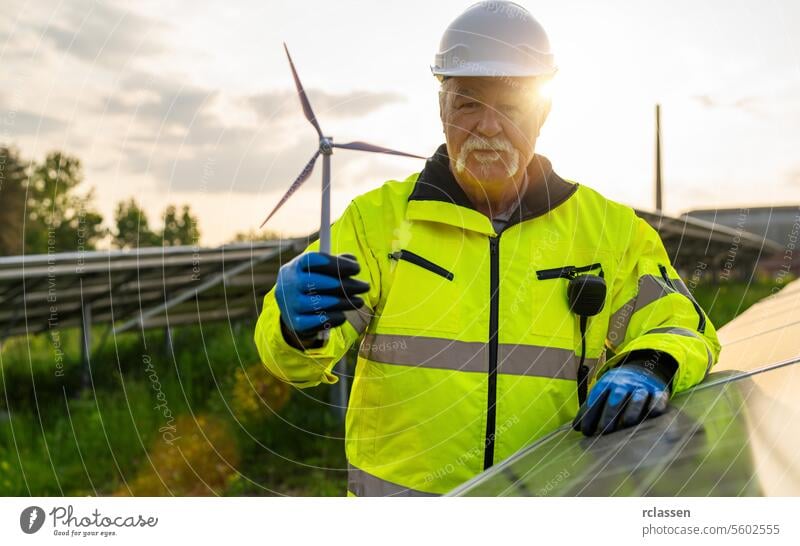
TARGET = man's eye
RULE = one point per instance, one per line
(510, 108)
(468, 105)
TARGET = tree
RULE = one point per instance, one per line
(256, 235)
(13, 177)
(132, 227)
(180, 229)
(58, 218)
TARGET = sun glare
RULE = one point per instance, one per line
(546, 89)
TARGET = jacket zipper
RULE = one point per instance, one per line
(494, 311)
(701, 325)
(416, 259)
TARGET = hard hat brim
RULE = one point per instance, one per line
(491, 70)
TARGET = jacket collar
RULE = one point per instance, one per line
(436, 186)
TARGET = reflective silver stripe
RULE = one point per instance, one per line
(359, 318)
(651, 288)
(427, 352)
(710, 359)
(618, 324)
(537, 361)
(679, 331)
(681, 287)
(364, 484)
(468, 356)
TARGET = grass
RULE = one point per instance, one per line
(200, 418)
(239, 431)
(725, 300)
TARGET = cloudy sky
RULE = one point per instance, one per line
(172, 103)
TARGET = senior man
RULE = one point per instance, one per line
(487, 292)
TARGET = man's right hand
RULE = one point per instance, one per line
(313, 291)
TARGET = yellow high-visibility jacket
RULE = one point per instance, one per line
(466, 355)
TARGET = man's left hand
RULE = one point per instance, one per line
(622, 397)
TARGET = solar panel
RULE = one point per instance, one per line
(735, 434)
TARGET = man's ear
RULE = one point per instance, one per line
(442, 98)
(543, 115)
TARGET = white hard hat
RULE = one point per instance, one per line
(494, 39)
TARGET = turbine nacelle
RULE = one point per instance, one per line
(326, 145)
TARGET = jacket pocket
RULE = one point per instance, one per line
(422, 297)
(549, 320)
(424, 263)
(567, 271)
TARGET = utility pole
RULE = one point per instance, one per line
(659, 202)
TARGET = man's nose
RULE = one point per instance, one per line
(489, 124)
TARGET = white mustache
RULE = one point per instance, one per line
(494, 144)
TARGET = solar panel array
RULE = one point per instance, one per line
(149, 287)
(157, 287)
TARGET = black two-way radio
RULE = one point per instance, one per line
(586, 296)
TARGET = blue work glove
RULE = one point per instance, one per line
(314, 290)
(625, 396)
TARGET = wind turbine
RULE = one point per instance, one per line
(326, 146)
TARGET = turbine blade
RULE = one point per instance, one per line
(304, 174)
(366, 147)
(303, 98)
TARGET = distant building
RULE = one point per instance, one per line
(779, 224)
